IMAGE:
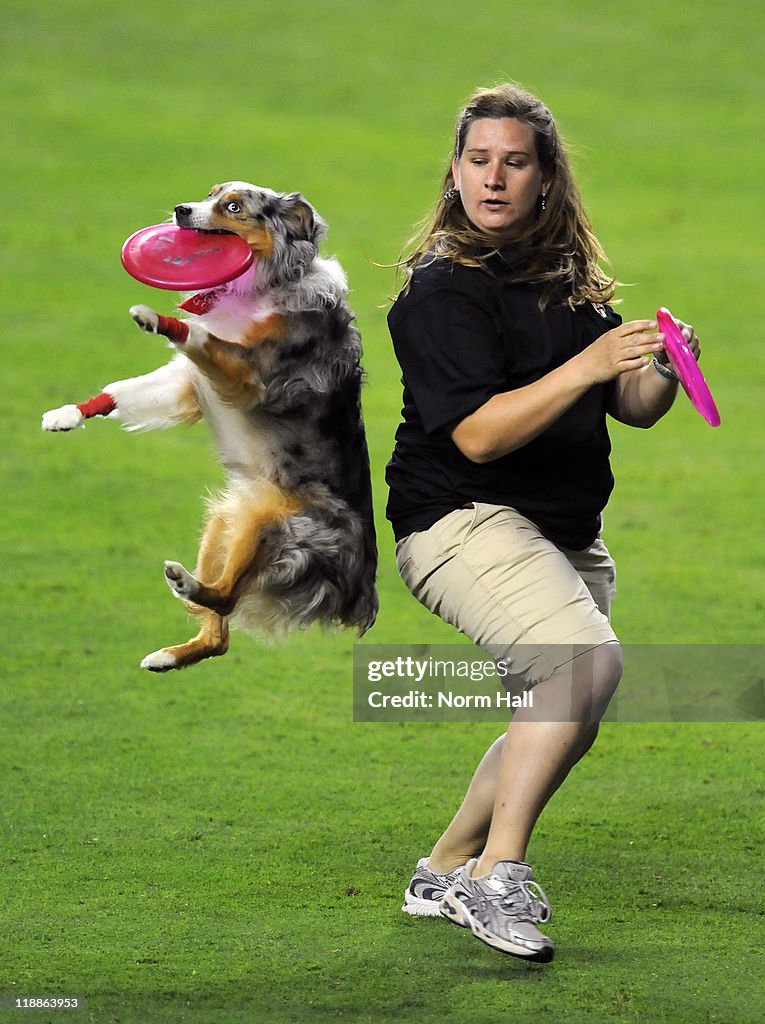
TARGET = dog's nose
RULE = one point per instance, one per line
(182, 211)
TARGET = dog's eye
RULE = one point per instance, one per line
(233, 207)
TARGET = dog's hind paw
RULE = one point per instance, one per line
(181, 582)
(68, 417)
(146, 318)
(160, 661)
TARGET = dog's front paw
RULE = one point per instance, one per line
(181, 582)
(160, 661)
(146, 318)
(68, 417)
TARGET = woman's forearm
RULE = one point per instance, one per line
(642, 397)
(512, 419)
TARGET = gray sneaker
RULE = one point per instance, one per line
(502, 909)
(426, 890)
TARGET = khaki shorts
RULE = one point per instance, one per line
(488, 570)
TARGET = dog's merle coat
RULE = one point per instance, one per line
(272, 363)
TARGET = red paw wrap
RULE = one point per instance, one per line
(101, 405)
(172, 328)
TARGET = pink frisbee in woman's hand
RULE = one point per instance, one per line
(686, 367)
(166, 256)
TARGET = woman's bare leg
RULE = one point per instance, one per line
(522, 769)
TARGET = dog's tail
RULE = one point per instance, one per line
(364, 608)
(320, 567)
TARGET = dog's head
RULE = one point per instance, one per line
(282, 229)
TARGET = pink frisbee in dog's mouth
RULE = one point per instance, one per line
(166, 256)
(686, 368)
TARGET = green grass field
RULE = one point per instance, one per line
(226, 845)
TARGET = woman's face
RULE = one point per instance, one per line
(499, 177)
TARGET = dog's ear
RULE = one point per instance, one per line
(302, 221)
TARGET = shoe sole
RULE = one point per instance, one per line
(421, 908)
(454, 910)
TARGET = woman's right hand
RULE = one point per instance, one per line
(617, 351)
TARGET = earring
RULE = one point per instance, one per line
(451, 194)
(543, 202)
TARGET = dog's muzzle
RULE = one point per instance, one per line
(182, 213)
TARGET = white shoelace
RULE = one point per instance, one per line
(521, 899)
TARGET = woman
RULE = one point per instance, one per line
(511, 361)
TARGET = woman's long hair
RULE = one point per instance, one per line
(559, 251)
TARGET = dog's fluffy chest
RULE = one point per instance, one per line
(231, 316)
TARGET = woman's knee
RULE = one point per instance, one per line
(580, 690)
(607, 668)
(609, 665)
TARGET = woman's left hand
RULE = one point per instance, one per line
(693, 344)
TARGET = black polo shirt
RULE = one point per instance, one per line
(461, 336)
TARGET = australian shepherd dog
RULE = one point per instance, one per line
(271, 361)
